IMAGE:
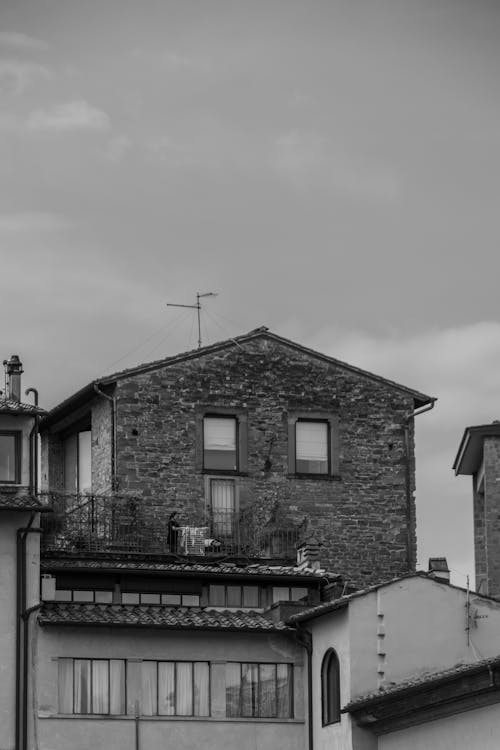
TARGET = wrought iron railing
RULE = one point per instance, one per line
(123, 524)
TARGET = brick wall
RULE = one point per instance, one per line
(363, 517)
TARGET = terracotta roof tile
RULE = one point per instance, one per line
(212, 568)
(155, 616)
(11, 499)
(8, 406)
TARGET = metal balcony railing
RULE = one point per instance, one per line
(123, 524)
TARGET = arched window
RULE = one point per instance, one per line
(330, 688)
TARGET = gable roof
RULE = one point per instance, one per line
(470, 450)
(85, 393)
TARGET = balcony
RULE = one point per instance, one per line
(113, 524)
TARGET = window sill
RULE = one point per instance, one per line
(315, 477)
(224, 473)
(211, 719)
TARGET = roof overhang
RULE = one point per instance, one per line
(470, 452)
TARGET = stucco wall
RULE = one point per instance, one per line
(117, 733)
(472, 730)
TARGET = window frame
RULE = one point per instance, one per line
(241, 422)
(91, 692)
(17, 435)
(258, 690)
(175, 662)
(330, 688)
(333, 448)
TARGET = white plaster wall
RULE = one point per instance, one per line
(472, 730)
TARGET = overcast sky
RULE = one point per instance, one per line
(331, 168)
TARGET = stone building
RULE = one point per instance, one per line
(241, 439)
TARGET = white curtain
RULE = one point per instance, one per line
(222, 497)
(149, 688)
(100, 686)
(233, 689)
(166, 688)
(267, 690)
(117, 687)
(82, 686)
(65, 686)
(249, 689)
(284, 691)
(184, 695)
(201, 689)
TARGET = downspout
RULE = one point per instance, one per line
(304, 638)
(21, 660)
(26, 618)
(409, 504)
(34, 445)
(112, 401)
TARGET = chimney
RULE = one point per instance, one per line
(438, 569)
(13, 371)
(308, 555)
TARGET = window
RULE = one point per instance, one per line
(10, 457)
(175, 688)
(184, 600)
(330, 688)
(311, 447)
(313, 444)
(233, 596)
(289, 594)
(223, 507)
(92, 686)
(80, 595)
(219, 443)
(259, 690)
(77, 463)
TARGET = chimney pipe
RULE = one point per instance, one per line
(13, 370)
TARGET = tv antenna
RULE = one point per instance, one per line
(196, 307)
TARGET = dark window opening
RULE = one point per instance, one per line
(10, 457)
(330, 688)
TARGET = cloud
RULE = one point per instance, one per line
(28, 222)
(22, 42)
(171, 60)
(306, 159)
(18, 75)
(73, 115)
(117, 148)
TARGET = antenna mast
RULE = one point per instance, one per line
(196, 307)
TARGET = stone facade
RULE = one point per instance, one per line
(362, 512)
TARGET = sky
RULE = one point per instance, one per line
(330, 169)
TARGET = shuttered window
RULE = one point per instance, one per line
(220, 443)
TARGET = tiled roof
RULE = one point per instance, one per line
(155, 616)
(195, 568)
(428, 679)
(20, 501)
(8, 406)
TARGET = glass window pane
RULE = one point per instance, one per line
(166, 688)
(84, 470)
(83, 596)
(201, 689)
(190, 600)
(100, 686)
(249, 690)
(311, 447)
(234, 596)
(281, 594)
(150, 598)
(250, 596)
(233, 689)
(298, 593)
(82, 686)
(219, 443)
(184, 692)
(117, 687)
(130, 598)
(149, 688)
(65, 686)
(267, 690)
(8, 458)
(217, 596)
(223, 508)
(171, 599)
(63, 595)
(104, 597)
(284, 691)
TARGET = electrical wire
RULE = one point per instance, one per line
(179, 319)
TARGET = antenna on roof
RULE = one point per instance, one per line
(196, 307)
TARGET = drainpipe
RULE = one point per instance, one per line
(112, 401)
(409, 504)
(26, 618)
(21, 637)
(34, 445)
(304, 638)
